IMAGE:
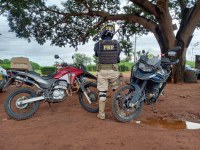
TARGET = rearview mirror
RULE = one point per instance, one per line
(72, 56)
(56, 56)
(143, 52)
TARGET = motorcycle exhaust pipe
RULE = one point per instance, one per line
(26, 81)
(30, 100)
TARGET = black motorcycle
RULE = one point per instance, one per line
(148, 79)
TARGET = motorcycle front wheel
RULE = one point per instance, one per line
(92, 92)
(2, 84)
(120, 106)
(24, 111)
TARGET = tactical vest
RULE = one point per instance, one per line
(108, 52)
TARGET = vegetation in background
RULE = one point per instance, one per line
(82, 59)
(124, 65)
(5, 63)
(91, 68)
(190, 63)
(47, 70)
(35, 66)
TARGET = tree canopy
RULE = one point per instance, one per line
(78, 20)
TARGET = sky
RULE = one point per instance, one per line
(11, 46)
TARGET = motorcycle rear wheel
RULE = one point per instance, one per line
(120, 108)
(21, 112)
(93, 95)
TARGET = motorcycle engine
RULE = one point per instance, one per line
(59, 90)
(152, 91)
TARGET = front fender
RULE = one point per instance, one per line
(82, 86)
(90, 76)
(137, 94)
(2, 84)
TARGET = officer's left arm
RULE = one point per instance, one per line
(119, 52)
(96, 47)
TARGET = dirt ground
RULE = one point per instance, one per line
(67, 126)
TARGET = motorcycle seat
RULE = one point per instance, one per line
(50, 76)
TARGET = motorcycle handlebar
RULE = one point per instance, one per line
(64, 64)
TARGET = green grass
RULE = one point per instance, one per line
(190, 63)
(128, 64)
(93, 72)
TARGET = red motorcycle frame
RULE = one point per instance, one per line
(52, 88)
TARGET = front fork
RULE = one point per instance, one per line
(83, 90)
(161, 88)
(8, 83)
(139, 95)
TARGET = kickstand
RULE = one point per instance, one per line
(50, 107)
(153, 108)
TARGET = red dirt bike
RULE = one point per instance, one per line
(24, 102)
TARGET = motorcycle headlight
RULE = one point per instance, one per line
(145, 67)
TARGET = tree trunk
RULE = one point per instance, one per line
(184, 36)
(179, 69)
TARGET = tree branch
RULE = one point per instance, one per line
(188, 24)
(182, 6)
(129, 18)
(85, 4)
(126, 17)
(94, 27)
(146, 5)
(192, 19)
(162, 5)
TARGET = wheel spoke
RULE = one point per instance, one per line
(24, 111)
(92, 93)
(121, 109)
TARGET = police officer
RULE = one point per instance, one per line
(107, 51)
